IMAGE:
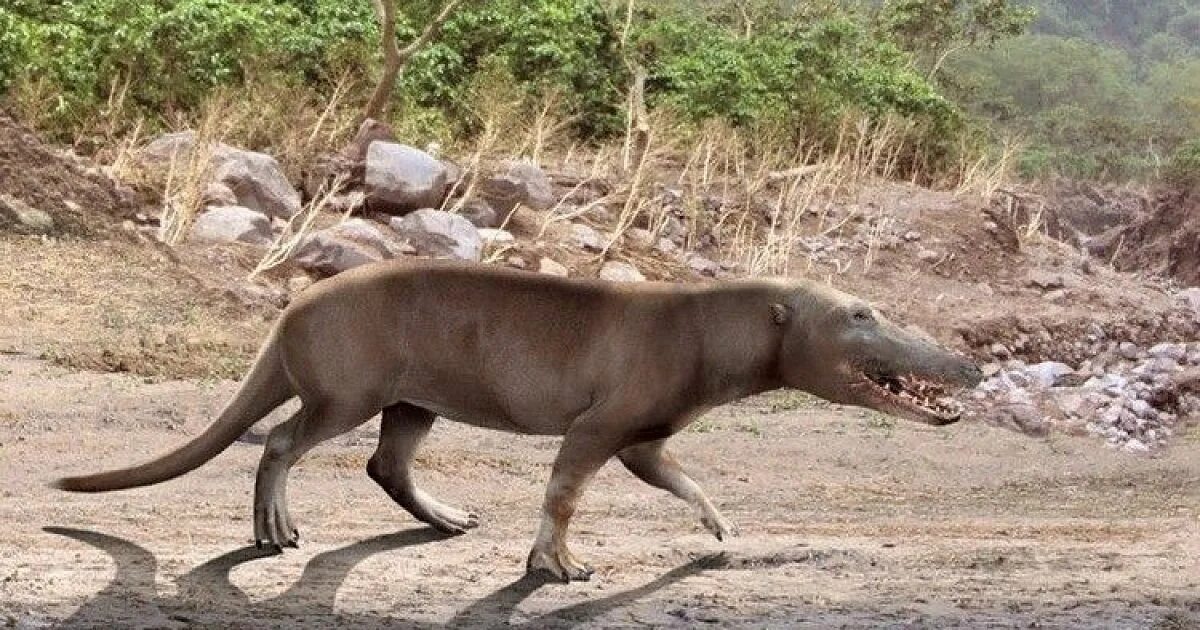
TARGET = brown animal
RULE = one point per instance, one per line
(615, 368)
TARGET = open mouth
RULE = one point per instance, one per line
(918, 395)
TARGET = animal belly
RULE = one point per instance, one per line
(488, 419)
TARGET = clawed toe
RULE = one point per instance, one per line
(558, 566)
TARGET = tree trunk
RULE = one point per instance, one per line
(395, 58)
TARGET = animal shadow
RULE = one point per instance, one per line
(207, 597)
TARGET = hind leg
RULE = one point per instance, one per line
(651, 463)
(286, 444)
(402, 429)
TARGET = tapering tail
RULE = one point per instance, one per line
(264, 388)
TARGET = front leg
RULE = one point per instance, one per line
(584, 450)
(651, 463)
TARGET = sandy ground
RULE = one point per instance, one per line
(847, 520)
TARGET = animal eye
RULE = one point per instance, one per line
(862, 315)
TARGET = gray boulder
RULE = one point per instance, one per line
(351, 244)
(232, 224)
(256, 179)
(400, 178)
(522, 182)
(440, 233)
(480, 214)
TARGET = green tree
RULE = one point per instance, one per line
(936, 29)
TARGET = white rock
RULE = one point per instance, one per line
(500, 237)
(1128, 350)
(1048, 373)
(702, 265)
(550, 267)
(639, 239)
(1135, 446)
(618, 271)
(232, 224)
(586, 238)
(1176, 352)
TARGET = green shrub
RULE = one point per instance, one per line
(1184, 167)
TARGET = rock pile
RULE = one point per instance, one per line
(1134, 397)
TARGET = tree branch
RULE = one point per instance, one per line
(394, 58)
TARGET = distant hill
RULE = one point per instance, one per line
(1151, 30)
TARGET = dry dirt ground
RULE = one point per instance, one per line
(847, 520)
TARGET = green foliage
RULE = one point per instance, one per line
(1105, 89)
(799, 67)
(934, 26)
(1184, 167)
(806, 75)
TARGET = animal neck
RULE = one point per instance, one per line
(740, 356)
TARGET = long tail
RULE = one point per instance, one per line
(264, 388)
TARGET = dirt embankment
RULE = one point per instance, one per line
(77, 197)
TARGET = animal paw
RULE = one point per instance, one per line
(719, 526)
(450, 520)
(561, 565)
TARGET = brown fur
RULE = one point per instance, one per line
(615, 368)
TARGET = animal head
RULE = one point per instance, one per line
(840, 348)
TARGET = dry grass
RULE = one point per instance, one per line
(298, 228)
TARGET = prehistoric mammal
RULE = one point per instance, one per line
(614, 368)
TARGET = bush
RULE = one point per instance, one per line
(1184, 167)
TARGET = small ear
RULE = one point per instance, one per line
(780, 313)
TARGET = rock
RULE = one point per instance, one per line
(1045, 280)
(480, 214)
(29, 218)
(441, 233)
(400, 179)
(550, 267)
(639, 239)
(1135, 446)
(618, 271)
(1176, 352)
(586, 238)
(1047, 374)
(218, 194)
(1022, 416)
(258, 183)
(350, 244)
(1000, 350)
(296, 284)
(499, 237)
(1191, 298)
(702, 265)
(666, 246)
(912, 235)
(256, 179)
(232, 224)
(369, 131)
(1112, 384)
(516, 262)
(928, 255)
(523, 183)
(1128, 350)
